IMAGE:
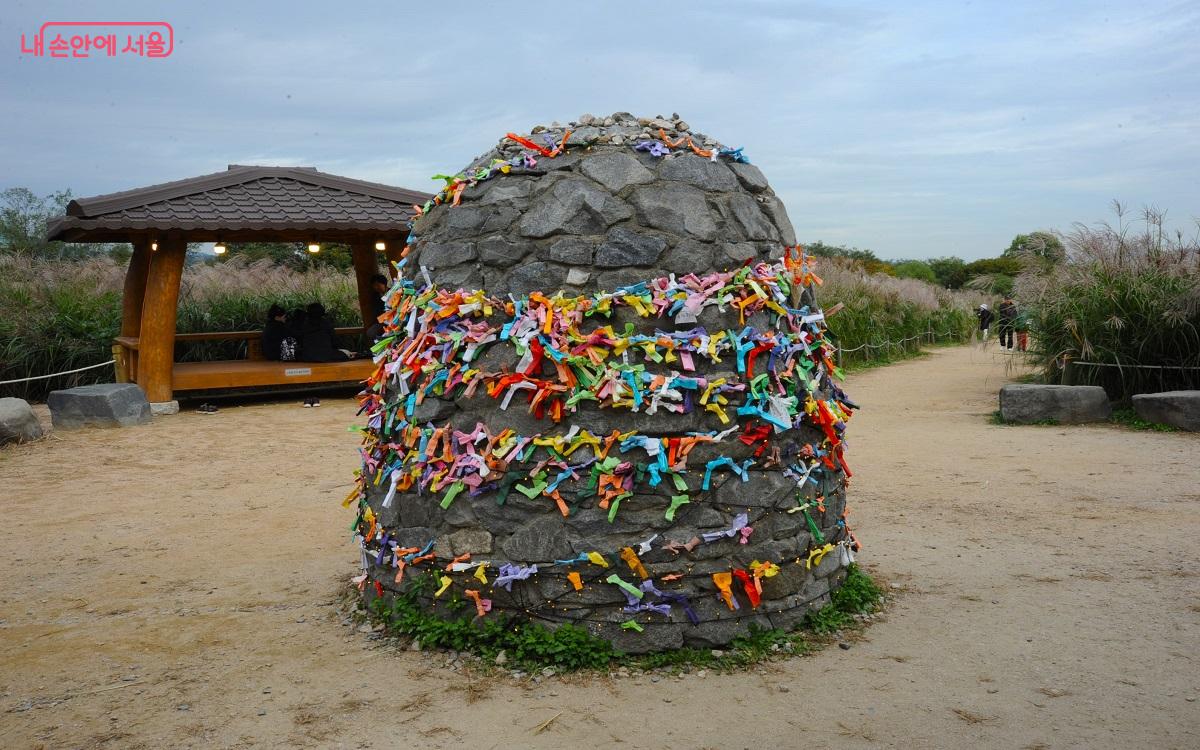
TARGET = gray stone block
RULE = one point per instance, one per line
(658, 634)
(750, 176)
(1177, 408)
(104, 404)
(572, 205)
(676, 208)
(625, 247)
(574, 251)
(497, 251)
(18, 423)
(750, 217)
(698, 172)
(616, 171)
(446, 254)
(1066, 404)
(542, 539)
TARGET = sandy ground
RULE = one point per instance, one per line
(174, 585)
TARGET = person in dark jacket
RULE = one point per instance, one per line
(1008, 319)
(379, 287)
(275, 333)
(985, 320)
(317, 341)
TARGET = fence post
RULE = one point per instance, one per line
(120, 365)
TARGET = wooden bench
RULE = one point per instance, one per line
(254, 371)
(246, 373)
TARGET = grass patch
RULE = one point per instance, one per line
(1129, 418)
(997, 418)
(532, 647)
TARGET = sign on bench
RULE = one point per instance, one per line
(295, 372)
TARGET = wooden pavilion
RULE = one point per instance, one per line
(241, 204)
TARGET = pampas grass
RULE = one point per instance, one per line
(881, 312)
(57, 316)
(1128, 294)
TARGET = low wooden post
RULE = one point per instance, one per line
(120, 364)
(156, 349)
(365, 267)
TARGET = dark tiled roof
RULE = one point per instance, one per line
(243, 200)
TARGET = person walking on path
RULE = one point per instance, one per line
(985, 320)
(1008, 319)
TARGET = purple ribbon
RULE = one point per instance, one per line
(510, 573)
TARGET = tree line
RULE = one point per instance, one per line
(23, 217)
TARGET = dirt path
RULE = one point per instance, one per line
(172, 585)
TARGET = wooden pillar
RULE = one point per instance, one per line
(135, 288)
(363, 255)
(156, 349)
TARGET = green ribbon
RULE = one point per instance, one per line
(630, 589)
(452, 493)
(676, 502)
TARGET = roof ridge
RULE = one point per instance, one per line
(235, 174)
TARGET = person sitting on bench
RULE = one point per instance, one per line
(380, 286)
(278, 341)
(318, 342)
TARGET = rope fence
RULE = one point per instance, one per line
(56, 374)
(926, 335)
(1118, 365)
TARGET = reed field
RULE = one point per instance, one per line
(60, 315)
(886, 318)
(1127, 298)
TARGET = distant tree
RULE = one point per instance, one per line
(23, 231)
(914, 269)
(1041, 244)
(1005, 265)
(870, 262)
(950, 272)
(291, 254)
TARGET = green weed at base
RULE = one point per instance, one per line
(1130, 419)
(531, 647)
(998, 419)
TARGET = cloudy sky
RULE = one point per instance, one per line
(915, 129)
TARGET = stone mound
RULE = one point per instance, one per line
(603, 214)
(656, 453)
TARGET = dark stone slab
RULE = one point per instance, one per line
(104, 404)
(1177, 408)
(1067, 404)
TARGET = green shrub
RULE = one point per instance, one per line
(1123, 298)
